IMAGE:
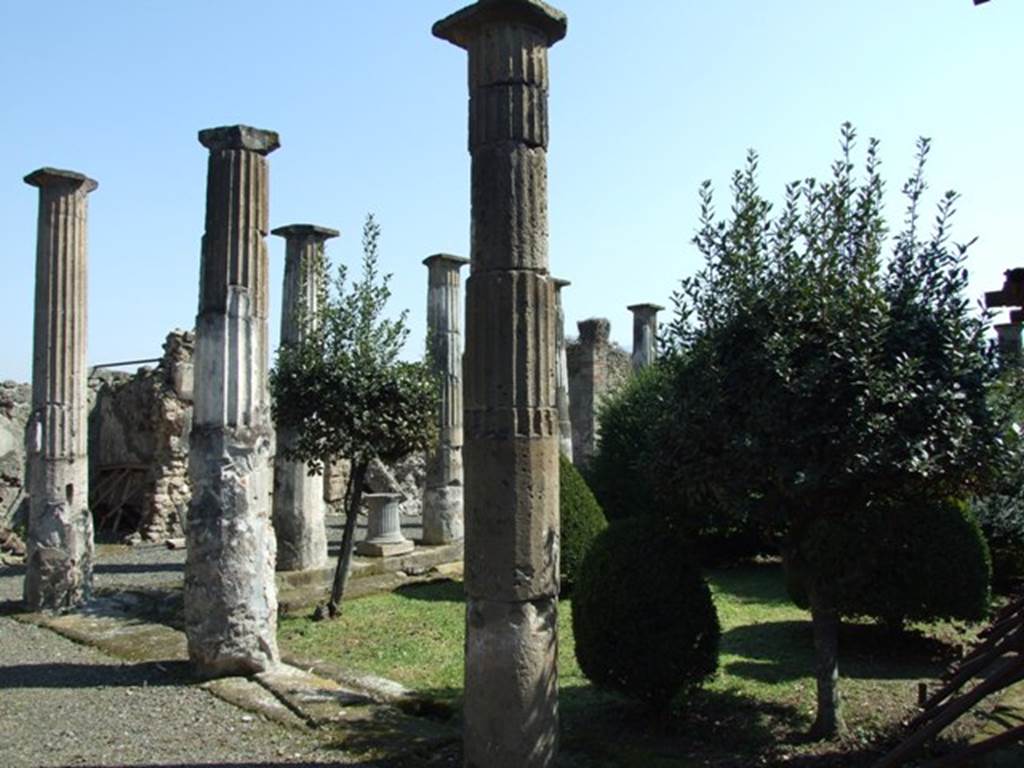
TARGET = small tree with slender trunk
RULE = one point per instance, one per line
(345, 391)
(815, 381)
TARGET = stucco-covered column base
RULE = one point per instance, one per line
(59, 549)
(511, 706)
(444, 525)
(230, 594)
(298, 516)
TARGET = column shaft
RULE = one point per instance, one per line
(562, 376)
(511, 419)
(60, 538)
(230, 595)
(443, 491)
(645, 333)
(298, 508)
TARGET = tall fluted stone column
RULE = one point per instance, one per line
(511, 420)
(298, 508)
(442, 493)
(230, 597)
(562, 375)
(60, 544)
(645, 332)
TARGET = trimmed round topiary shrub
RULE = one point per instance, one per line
(917, 560)
(581, 520)
(643, 619)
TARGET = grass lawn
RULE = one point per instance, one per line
(752, 713)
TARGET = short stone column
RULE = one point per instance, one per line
(562, 375)
(59, 549)
(645, 333)
(384, 527)
(230, 596)
(511, 419)
(442, 493)
(1008, 342)
(298, 508)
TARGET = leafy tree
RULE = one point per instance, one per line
(813, 381)
(345, 392)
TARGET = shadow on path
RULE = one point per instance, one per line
(63, 675)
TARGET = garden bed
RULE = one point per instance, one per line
(754, 712)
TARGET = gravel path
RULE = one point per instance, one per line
(62, 704)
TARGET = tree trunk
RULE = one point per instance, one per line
(825, 623)
(353, 500)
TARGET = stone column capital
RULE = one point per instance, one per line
(461, 27)
(240, 137)
(645, 310)
(305, 232)
(55, 177)
(445, 260)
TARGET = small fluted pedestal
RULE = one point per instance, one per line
(384, 528)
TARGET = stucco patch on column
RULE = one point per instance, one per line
(230, 595)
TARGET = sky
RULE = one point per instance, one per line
(647, 100)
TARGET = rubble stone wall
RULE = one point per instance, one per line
(597, 367)
(138, 442)
(15, 406)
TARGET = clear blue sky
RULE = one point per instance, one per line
(647, 100)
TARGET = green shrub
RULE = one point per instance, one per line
(581, 521)
(1001, 518)
(912, 561)
(621, 471)
(642, 614)
(629, 479)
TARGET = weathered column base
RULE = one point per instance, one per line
(444, 524)
(59, 546)
(511, 704)
(230, 598)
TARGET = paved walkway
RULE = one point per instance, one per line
(111, 686)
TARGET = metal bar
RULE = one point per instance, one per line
(125, 362)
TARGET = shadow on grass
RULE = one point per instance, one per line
(782, 651)
(759, 583)
(435, 591)
(720, 728)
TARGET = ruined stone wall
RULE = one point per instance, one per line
(597, 368)
(138, 444)
(15, 406)
(407, 476)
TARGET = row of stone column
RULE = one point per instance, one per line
(61, 551)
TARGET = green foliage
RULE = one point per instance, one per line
(1000, 513)
(342, 387)
(813, 381)
(908, 562)
(643, 619)
(624, 473)
(581, 520)
(621, 471)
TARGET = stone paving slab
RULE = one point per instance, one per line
(252, 696)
